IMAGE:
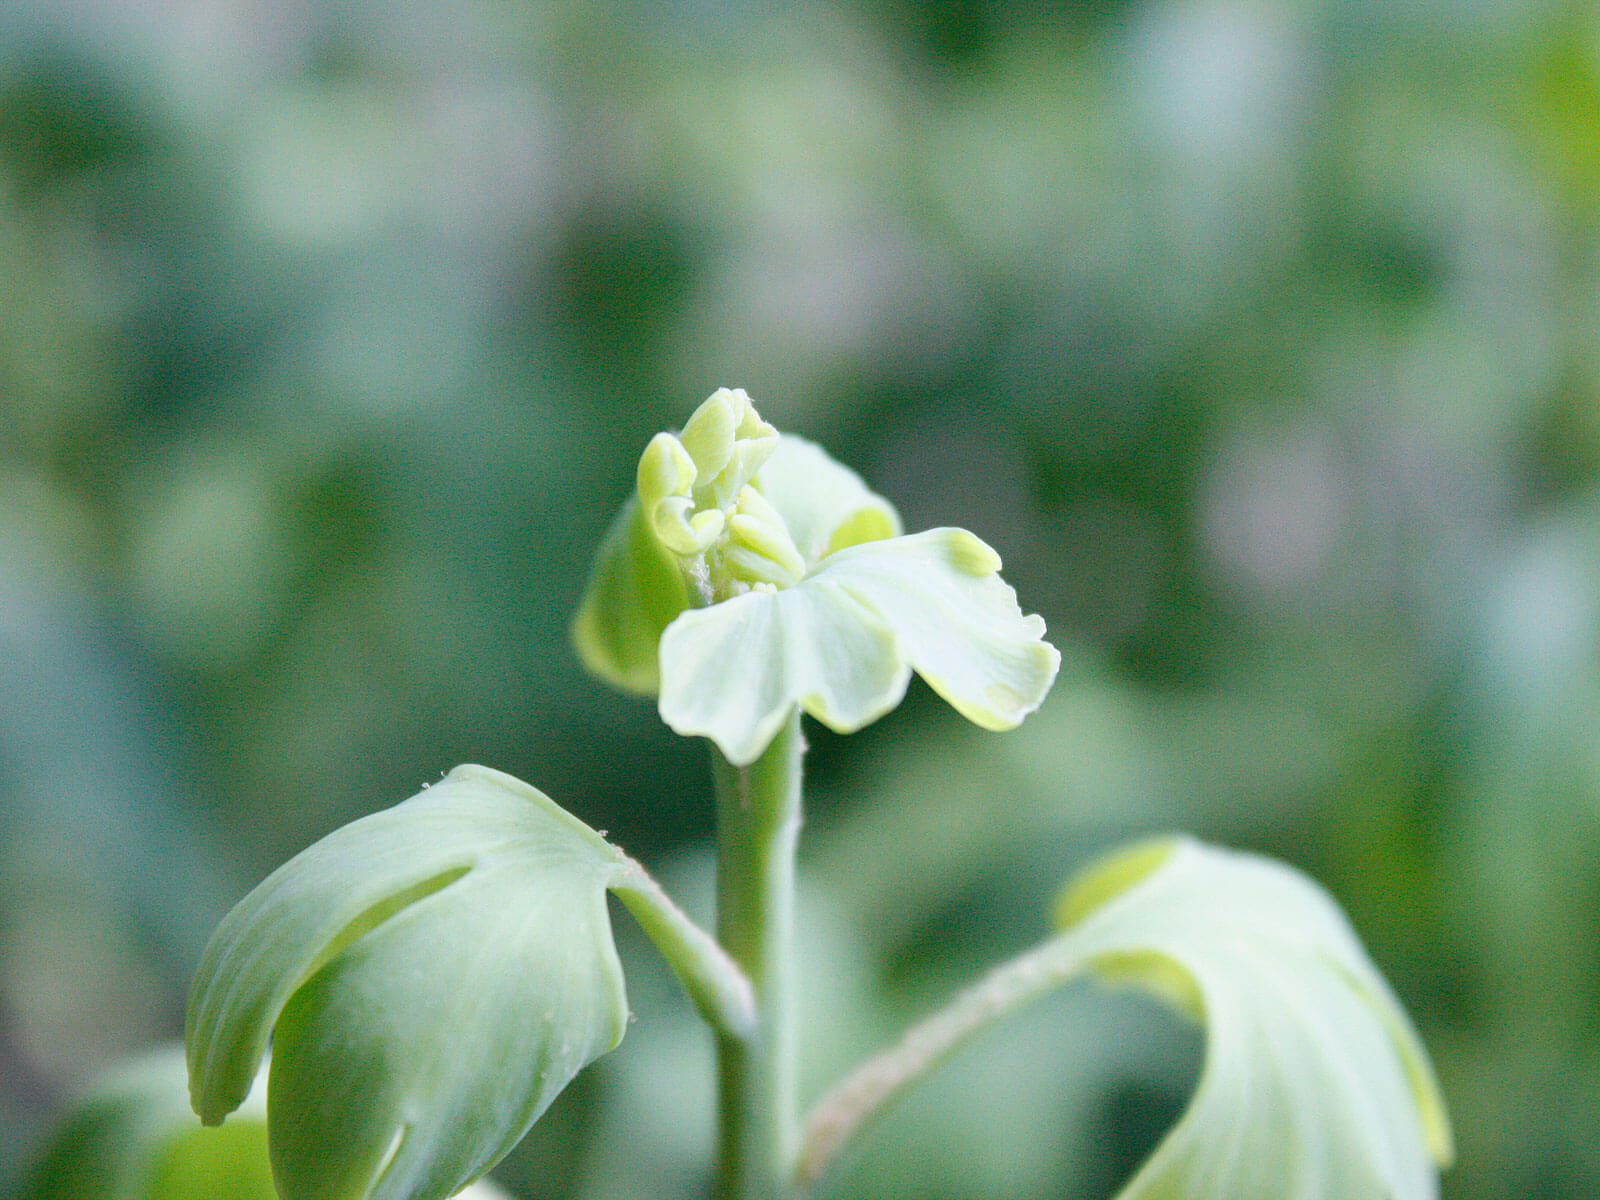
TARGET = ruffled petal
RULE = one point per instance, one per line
(955, 620)
(733, 672)
(842, 643)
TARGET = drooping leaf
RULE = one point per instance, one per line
(1314, 1086)
(433, 976)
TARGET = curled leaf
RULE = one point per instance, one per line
(433, 975)
(1315, 1086)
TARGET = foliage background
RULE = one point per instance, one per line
(1258, 337)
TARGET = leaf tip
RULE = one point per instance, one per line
(1108, 878)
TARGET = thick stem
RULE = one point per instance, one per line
(758, 825)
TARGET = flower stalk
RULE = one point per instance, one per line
(758, 827)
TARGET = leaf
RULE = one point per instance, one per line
(435, 974)
(133, 1136)
(1315, 1086)
(843, 642)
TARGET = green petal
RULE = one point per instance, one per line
(842, 643)
(824, 503)
(733, 672)
(635, 589)
(436, 973)
(1315, 1086)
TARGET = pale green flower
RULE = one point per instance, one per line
(751, 573)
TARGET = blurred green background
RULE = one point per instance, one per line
(1260, 338)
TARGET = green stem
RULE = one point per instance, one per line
(715, 983)
(758, 825)
(862, 1097)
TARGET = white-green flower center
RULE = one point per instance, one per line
(698, 493)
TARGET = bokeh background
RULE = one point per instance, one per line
(1259, 337)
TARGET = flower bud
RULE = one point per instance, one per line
(729, 443)
(764, 509)
(759, 548)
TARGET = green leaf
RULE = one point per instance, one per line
(433, 976)
(133, 1136)
(843, 642)
(1315, 1086)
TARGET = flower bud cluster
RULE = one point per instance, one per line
(700, 500)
